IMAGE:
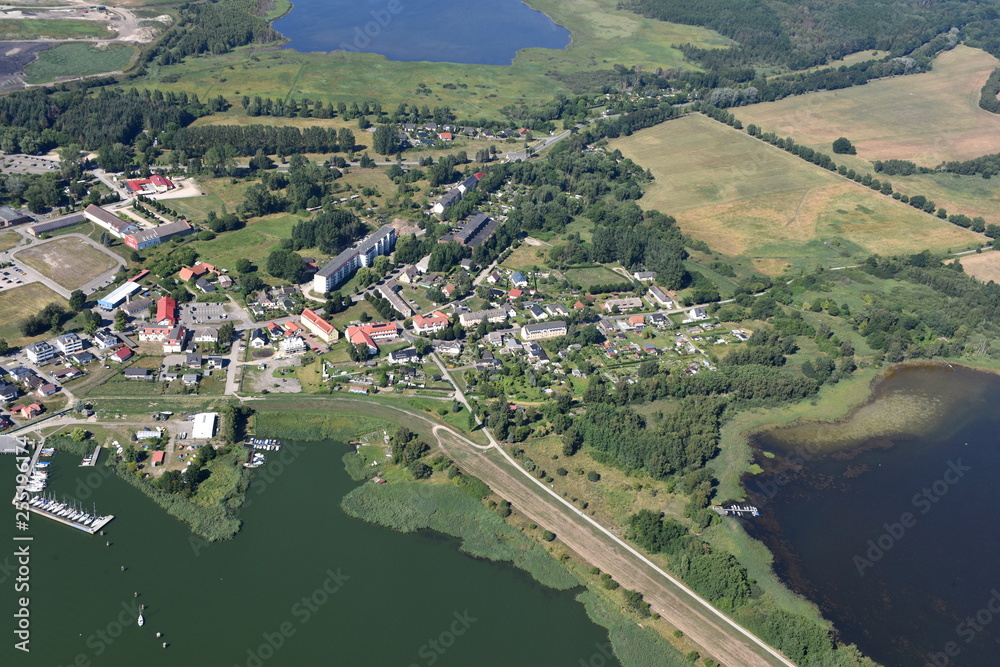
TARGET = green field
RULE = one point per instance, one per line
(589, 277)
(79, 60)
(253, 242)
(927, 118)
(21, 29)
(8, 240)
(603, 36)
(18, 303)
(746, 198)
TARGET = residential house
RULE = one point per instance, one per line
(67, 374)
(8, 392)
(409, 275)
(121, 355)
(637, 321)
(451, 348)
(46, 389)
(174, 342)
(623, 305)
(258, 339)
(81, 357)
(190, 379)
(137, 374)
(661, 297)
(535, 311)
(518, 279)
(432, 323)
(404, 356)
(557, 310)
(205, 286)
(293, 344)
(198, 270)
(396, 301)
(645, 276)
(105, 340)
(28, 411)
(206, 335)
(193, 361)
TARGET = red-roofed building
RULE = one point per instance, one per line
(434, 322)
(196, 271)
(28, 411)
(318, 326)
(158, 458)
(149, 186)
(516, 293)
(139, 276)
(479, 175)
(166, 311)
(446, 136)
(292, 328)
(359, 337)
(637, 321)
(370, 333)
(578, 305)
(121, 354)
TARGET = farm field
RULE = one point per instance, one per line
(984, 266)
(52, 29)
(69, 262)
(927, 118)
(16, 303)
(970, 195)
(744, 197)
(527, 255)
(78, 60)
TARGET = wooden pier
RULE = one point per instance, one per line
(737, 510)
(93, 458)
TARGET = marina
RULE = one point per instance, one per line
(92, 459)
(36, 479)
(263, 443)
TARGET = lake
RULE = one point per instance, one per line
(302, 584)
(884, 519)
(455, 31)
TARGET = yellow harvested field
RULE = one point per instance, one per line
(927, 118)
(985, 266)
(745, 197)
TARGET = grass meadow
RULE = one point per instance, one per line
(79, 60)
(927, 118)
(17, 303)
(598, 275)
(746, 198)
(23, 29)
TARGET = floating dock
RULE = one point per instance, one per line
(54, 510)
(737, 510)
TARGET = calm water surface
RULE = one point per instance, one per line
(457, 31)
(232, 603)
(888, 520)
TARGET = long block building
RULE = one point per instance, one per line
(343, 266)
(114, 224)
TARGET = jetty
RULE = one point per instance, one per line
(91, 460)
(267, 444)
(66, 514)
(737, 510)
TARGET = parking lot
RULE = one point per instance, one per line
(26, 164)
(11, 277)
(203, 313)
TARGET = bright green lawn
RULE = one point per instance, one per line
(79, 60)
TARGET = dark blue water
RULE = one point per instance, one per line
(456, 31)
(897, 539)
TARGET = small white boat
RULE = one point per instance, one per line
(141, 620)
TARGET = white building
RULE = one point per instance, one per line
(68, 343)
(40, 352)
(204, 425)
(343, 266)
